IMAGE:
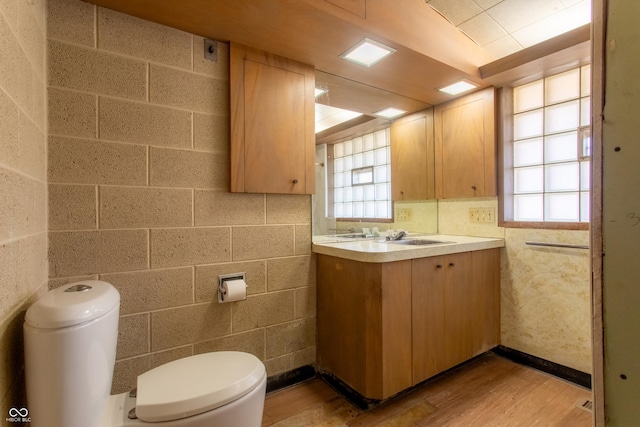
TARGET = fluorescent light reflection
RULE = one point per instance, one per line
(328, 117)
(319, 92)
(390, 113)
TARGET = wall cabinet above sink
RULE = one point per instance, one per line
(412, 160)
(446, 152)
(465, 146)
(272, 123)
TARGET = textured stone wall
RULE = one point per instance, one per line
(138, 174)
(23, 190)
(545, 292)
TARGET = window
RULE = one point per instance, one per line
(549, 155)
(362, 177)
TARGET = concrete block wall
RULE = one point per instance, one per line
(138, 176)
(23, 190)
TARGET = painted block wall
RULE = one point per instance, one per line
(621, 214)
(23, 191)
(138, 175)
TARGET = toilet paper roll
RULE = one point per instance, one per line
(233, 290)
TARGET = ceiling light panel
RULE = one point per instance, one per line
(367, 52)
(458, 87)
(389, 113)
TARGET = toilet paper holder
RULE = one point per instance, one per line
(225, 278)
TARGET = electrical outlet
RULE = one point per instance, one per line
(487, 215)
(404, 214)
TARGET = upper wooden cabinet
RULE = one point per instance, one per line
(412, 157)
(465, 146)
(272, 123)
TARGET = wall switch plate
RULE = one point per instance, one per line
(404, 214)
(485, 215)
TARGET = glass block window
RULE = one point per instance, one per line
(551, 148)
(362, 177)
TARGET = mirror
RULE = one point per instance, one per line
(414, 216)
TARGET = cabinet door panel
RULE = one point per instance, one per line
(486, 285)
(459, 304)
(412, 158)
(428, 317)
(465, 146)
(272, 123)
(274, 98)
(462, 149)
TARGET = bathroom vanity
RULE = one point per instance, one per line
(391, 315)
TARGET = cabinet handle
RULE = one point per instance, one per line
(295, 181)
(439, 266)
(452, 264)
(474, 188)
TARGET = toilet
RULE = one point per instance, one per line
(70, 337)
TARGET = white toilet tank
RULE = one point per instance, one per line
(70, 338)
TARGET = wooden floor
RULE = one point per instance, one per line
(489, 391)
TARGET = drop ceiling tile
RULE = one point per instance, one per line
(456, 11)
(544, 29)
(502, 47)
(486, 4)
(580, 12)
(568, 3)
(482, 29)
(514, 15)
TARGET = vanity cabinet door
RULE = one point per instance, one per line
(465, 146)
(448, 301)
(412, 157)
(459, 303)
(428, 317)
(272, 123)
(486, 310)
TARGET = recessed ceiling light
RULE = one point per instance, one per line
(389, 113)
(367, 52)
(459, 87)
(320, 92)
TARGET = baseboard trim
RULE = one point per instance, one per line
(566, 373)
(290, 378)
(364, 403)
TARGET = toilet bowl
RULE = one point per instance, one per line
(70, 337)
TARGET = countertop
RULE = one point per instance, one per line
(377, 250)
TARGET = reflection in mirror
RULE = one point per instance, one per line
(414, 216)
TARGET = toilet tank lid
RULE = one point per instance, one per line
(196, 384)
(73, 304)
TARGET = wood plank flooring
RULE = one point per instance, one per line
(489, 391)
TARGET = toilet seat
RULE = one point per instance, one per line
(196, 384)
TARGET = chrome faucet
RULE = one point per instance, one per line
(401, 234)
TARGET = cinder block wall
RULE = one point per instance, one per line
(23, 190)
(138, 173)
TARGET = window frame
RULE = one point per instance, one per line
(504, 101)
